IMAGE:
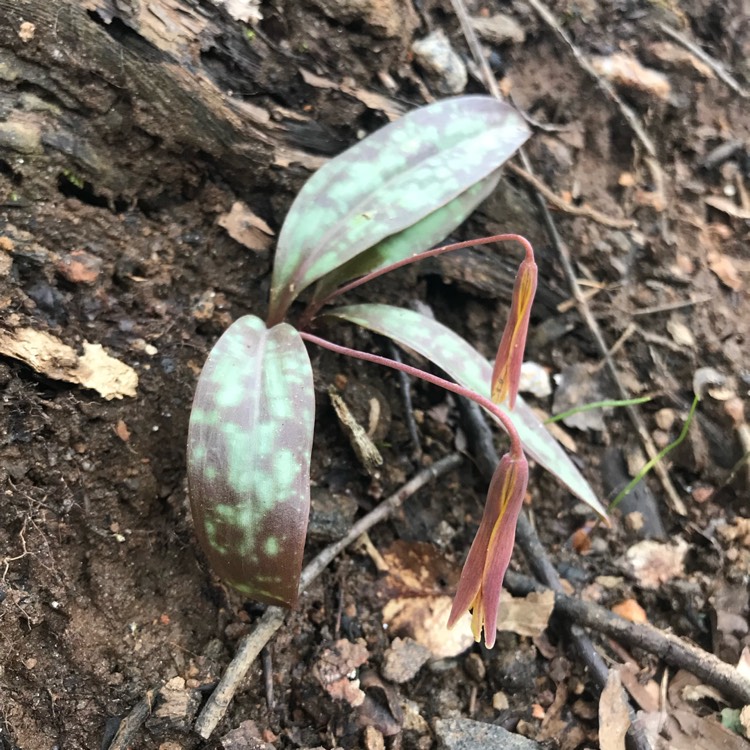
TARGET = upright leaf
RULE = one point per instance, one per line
(388, 182)
(249, 446)
(469, 368)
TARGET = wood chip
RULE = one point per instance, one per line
(727, 206)
(52, 358)
(625, 70)
(614, 720)
(630, 610)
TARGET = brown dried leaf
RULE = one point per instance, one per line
(678, 57)
(727, 206)
(425, 618)
(743, 665)
(526, 615)
(414, 569)
(646, 696)
(371, 99)
(687, 731)
(723, 266)
(246, 227)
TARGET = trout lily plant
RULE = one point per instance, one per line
(371, 210)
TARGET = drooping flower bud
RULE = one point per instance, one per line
(482, 577)
(507, 371)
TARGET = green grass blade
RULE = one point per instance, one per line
(597, 405)
(658, 457)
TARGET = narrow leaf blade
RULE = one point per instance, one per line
(469, 368)
(387, 182)
(426, 233)
(249, 446)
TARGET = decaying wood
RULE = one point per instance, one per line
(117, 95)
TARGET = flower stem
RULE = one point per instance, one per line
(313, 309)
(516, 448)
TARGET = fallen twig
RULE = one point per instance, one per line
(568, 208)
(480, 438)
(721, 72)
(273, 618)
(133, 722)
(670, 648)
(405, 387)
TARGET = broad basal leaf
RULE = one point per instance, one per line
(388, 182)
(468, 367)
(249, 446)
(420, 236)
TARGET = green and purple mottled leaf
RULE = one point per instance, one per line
(468, 367)
(388, 182)
(423, 235)
(248, 457)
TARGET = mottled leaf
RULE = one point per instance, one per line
(249, 446)
(420, 236)
(469, 368)
(388, 182)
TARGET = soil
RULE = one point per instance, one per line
(104, 593)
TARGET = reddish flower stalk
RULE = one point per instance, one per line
(483, 401)
(482, 576)
(316, 305)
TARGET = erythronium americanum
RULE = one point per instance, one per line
(363, 214)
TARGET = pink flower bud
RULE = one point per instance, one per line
(482, 577)
(507, 371)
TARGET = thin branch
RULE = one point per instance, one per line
(555, 200)
(130, 725)
(719, 69)
(273, 618)
(672, 649)
(405, 387)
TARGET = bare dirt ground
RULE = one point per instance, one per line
(104, 595)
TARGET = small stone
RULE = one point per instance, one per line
(474, 667)
(404, 659)
(665, 418)
(634, 521)
(500, 701)
(413, 720)
(435, 54)
(373, 739)
(499, 29)
(26, 31)
(466, 734)
(79, 267)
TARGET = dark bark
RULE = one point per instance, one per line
(138, 102)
